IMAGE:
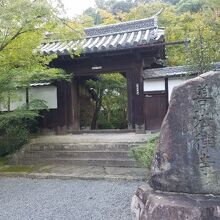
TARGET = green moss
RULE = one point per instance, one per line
(17, 169)
(144, 153)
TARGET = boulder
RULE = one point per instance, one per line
(188, 156)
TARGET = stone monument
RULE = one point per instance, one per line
(185, 178)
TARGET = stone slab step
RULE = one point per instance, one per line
(68, 172)
(83, 146)
(81, 162)
(92, 138)
(77, 154)
(103, 131)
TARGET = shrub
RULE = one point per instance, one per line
(102, 122)
(16, 126)
(14, 130)
(13, 139)
(144, 153)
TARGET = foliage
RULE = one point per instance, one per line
(22, 29)
(14, 129)
(110, 95)
(190, 5)
(203, 50)
(115, 6)
(86, 111)
(107, 17)
(144, 154)
(13, 139)
(194, 20)
(24, 25)
(174, 2)
(91, 17)
(3, 161)
(200, 26)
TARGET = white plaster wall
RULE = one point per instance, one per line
(46, 93)
(154, 85)
(172, 82)
(18, 100)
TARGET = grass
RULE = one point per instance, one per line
(144, 153)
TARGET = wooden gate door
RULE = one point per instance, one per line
(155, 108)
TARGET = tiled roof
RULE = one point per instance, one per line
(174, 71)
(124, 35)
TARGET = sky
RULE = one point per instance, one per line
(76, 7)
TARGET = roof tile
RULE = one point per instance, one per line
(123, 35)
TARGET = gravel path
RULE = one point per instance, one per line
(70, 199)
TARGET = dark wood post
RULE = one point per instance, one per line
(75, 105)
(136, 96)
(67, 111)
(131, 91)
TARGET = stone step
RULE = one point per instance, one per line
(82, 146)
(77, 154)
(103, 131)
(81, 162)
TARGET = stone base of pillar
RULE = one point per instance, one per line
(61, 130)
(148, 204)
(140, 129)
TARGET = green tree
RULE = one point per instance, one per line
(194, 26)
(24, 25)
(190, 5)
(173, 2)
(94, 15)
(204, 47)
(110, 96)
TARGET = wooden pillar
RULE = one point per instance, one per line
(75, 105)
(67, 112)
(136, 96)
(131, 91)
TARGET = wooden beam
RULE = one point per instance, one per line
(104, 64)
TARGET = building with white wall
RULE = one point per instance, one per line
(158, 87)
(45, 92)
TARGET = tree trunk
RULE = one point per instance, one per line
(96, 114)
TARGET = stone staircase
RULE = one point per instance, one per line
(80, 150)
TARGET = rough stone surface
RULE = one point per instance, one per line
(188, 155)
(151, 205)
